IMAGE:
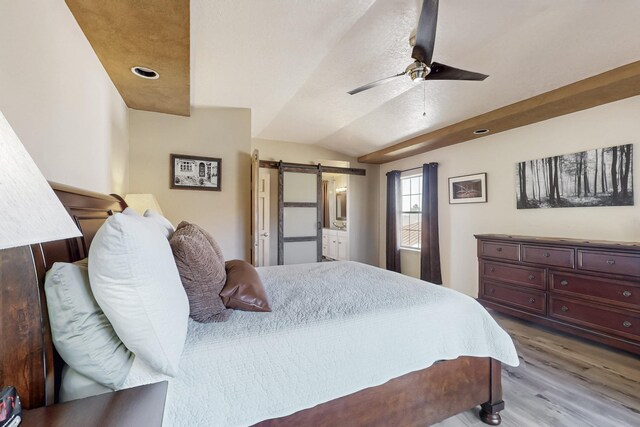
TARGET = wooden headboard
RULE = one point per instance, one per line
(28, 359)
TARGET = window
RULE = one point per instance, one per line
(411, 211)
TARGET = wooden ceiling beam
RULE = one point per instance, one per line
(154, 34)
(614, 85)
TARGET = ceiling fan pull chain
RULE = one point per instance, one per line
(424, 100)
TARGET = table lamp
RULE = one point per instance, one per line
(30, 212)
(141, 202)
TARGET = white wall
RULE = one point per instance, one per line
(211, 132)
(362, 204)
(612, 124)
(59, 99)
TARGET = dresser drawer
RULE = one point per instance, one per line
(527, 300)
(609, 262)
(558, 257)
(521, 275)
(509, 251)
(618, 322)
(602, 289)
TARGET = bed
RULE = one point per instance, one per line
(389, 384)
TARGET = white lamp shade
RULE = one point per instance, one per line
(141, 202)
(30, 212)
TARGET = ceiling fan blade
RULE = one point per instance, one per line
(426, 32)
(445, 72)
(374, 84)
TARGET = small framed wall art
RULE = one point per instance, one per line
(195, 173)
(468, 189)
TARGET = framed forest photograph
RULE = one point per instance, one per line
(600, 177)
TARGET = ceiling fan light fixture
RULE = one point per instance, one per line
(145, 73)
(418, 71)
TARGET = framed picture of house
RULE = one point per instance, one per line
(195, 173)
(468, 189)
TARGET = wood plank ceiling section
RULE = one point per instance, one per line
(148, 33)
(614, 85)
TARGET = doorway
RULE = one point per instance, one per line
(295, 232)
(264, 185)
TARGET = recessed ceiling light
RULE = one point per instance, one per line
(481, 131)
(145, 73)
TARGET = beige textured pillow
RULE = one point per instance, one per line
(201, 266)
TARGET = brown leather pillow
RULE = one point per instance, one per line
(244, 289)
(202, 271)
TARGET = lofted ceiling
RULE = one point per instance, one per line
(293, 61)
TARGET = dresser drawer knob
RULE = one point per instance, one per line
(499, 249)
(626, 324)
(492, 290)
(531, 277)
(626, 294)
(492, 269)
(532, 300)
(611, 261)
(546, 254)
(564, 283)
(564, 308)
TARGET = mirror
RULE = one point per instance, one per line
(334, 200)
(341, 205)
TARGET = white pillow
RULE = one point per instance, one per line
(135, 280)
(81, 332)
(154, 217)
(164, 223)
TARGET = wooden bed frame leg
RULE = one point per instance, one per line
(490, 411)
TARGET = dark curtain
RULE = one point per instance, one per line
(430, 241)
(325, 204)
(393, 220)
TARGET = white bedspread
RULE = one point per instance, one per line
(336, 328)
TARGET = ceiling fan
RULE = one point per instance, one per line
(423, 68)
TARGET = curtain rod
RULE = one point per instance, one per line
(413, 169)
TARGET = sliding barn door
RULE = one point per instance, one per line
(299, 228)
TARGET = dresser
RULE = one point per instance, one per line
(588, 288)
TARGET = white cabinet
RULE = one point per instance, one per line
(335, 244)
(343, 247)
(325, 244)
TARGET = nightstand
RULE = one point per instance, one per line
(138, 406)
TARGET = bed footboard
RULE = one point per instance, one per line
(420, 398)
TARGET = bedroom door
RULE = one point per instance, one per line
(264, 186)
(299, 214)
(255, 176)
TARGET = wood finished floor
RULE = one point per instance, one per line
(563, 381)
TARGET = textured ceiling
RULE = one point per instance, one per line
(293, 61)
